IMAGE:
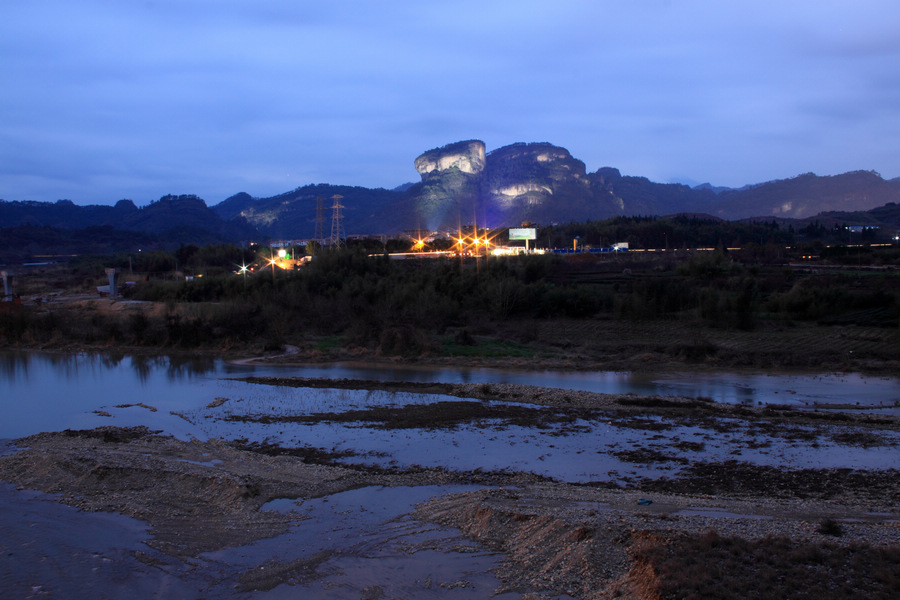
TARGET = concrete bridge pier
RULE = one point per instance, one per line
(7, 283)
(113, 275)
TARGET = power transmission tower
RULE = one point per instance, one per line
(337, 226)
(320, 220)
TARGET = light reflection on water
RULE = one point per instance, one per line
(50, 391)
(595, 449)
(54, 394)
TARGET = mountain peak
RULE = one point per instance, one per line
(467, 156)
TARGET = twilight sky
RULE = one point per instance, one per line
(104, 100)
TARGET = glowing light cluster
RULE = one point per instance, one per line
(474, 244)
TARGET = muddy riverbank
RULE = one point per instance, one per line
(79, 322)
(551, 536)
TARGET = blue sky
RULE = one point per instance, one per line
(105, 100)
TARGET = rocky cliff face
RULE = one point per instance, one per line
(512, 184)
(451, 183)
(461, 185)
(536, 159)
(467, 157)
(522, 179)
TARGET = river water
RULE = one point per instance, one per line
(200, 398)
(52, 392)
(53, 549)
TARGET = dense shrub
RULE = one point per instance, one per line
(711, 566)
(359, 297)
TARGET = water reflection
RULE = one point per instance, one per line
(186, 367)
(177, 368)
(144, 365)
(17, 365)
(13, 364)
(54, 391)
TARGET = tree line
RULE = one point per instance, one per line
(372, 301)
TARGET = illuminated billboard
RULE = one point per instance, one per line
(526, 233)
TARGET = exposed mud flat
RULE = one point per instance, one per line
(573, 400)
(216, 505)
(588, 543)
(196, 496)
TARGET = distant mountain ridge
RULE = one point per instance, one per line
(809, 194)
(463, 183)
(166, 214)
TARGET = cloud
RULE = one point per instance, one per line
(110, 100)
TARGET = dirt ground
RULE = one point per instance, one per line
(586, 541)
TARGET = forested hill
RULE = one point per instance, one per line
(462, 183)
(293, 214)
(807, 195)
(166, 214)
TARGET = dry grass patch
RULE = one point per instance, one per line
(710, 566)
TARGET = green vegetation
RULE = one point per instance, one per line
(33, 243)
(766, 240)
(215, 259)
(668, 232)
(488, 348)
(350, 300)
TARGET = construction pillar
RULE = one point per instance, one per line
(113, 287)
(7, 283)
